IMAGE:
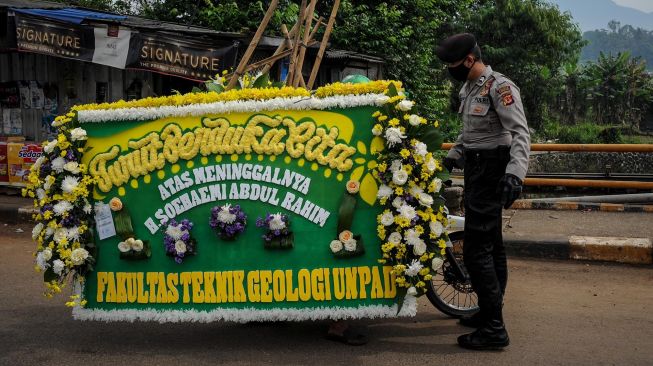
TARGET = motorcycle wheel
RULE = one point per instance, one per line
(447, 291)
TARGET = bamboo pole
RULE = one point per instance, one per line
(293, 58)
(282, 46)
(302, 51)
(253, 44)
(325, 40)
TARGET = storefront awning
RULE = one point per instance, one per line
(69, 15)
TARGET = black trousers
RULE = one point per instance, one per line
(483, 250)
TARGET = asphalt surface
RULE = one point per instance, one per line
(557, 313)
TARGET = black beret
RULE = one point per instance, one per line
(456, 47)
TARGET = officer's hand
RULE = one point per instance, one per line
(449, 164)
(510, 188)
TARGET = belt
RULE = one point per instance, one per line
(501, 152)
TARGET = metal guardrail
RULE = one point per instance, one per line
(592, 183)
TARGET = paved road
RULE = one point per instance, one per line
(558, 313)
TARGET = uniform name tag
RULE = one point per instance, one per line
(478, 109)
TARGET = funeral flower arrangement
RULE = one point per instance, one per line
(412, 224)
(277, 231)
(178, 241)
(228, 221)
(60, 187)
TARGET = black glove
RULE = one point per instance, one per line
(449, 163)
(510, 188)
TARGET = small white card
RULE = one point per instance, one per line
(104, 221)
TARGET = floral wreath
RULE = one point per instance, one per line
(61, 188)
(412, 224)
(411, 227)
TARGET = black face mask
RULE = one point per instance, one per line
(461, 71)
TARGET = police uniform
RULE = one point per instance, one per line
(494, 143)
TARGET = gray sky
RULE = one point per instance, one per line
(643, 5)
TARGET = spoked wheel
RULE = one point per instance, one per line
(450, 290)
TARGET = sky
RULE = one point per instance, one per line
(643, 5)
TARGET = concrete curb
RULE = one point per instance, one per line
(606, 249)
(580, 206)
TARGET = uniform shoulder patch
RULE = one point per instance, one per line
(507, 99)
(504, 89)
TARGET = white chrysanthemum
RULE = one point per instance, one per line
(436, 227)
(384, 191)
(174, 232)
(397, 202)
(421, 149)
(40, 193)
(77, 134)
(411, 237)
(41, 262)
(414, 268)
(61, 207)
(60, 235)
(399, 177)
(414, 120)
(419, 248)
(57, 266)
(180, 247)
(407, 211)
(58, 164)
(431, 165)
(437, 182)
(72, 166)
(47, 253)
(405, 105)
(394, 238)
(395, 165)
(49, 147)
(88, 208)
(350, 245)
(78, 256)
(137, 245)
(276, 223)
(124, 247)
(48, 232)
(387, 219)
(336, 246)
(36, 231)
(381, 100)
(394, 136)
(38, 163)
(412, 291)
(73, 233)
(436, 263)
(425, 200)
(225, 216)
(69, 184)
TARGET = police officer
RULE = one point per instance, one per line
(493, 150)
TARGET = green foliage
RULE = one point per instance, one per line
(528, 41)
(403, 33)
(618, 39)
(615, 89)
(582, 133)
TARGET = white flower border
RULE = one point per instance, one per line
(409, 309)
(294, 103)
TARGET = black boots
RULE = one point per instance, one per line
(491, 336)
(473, 321)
